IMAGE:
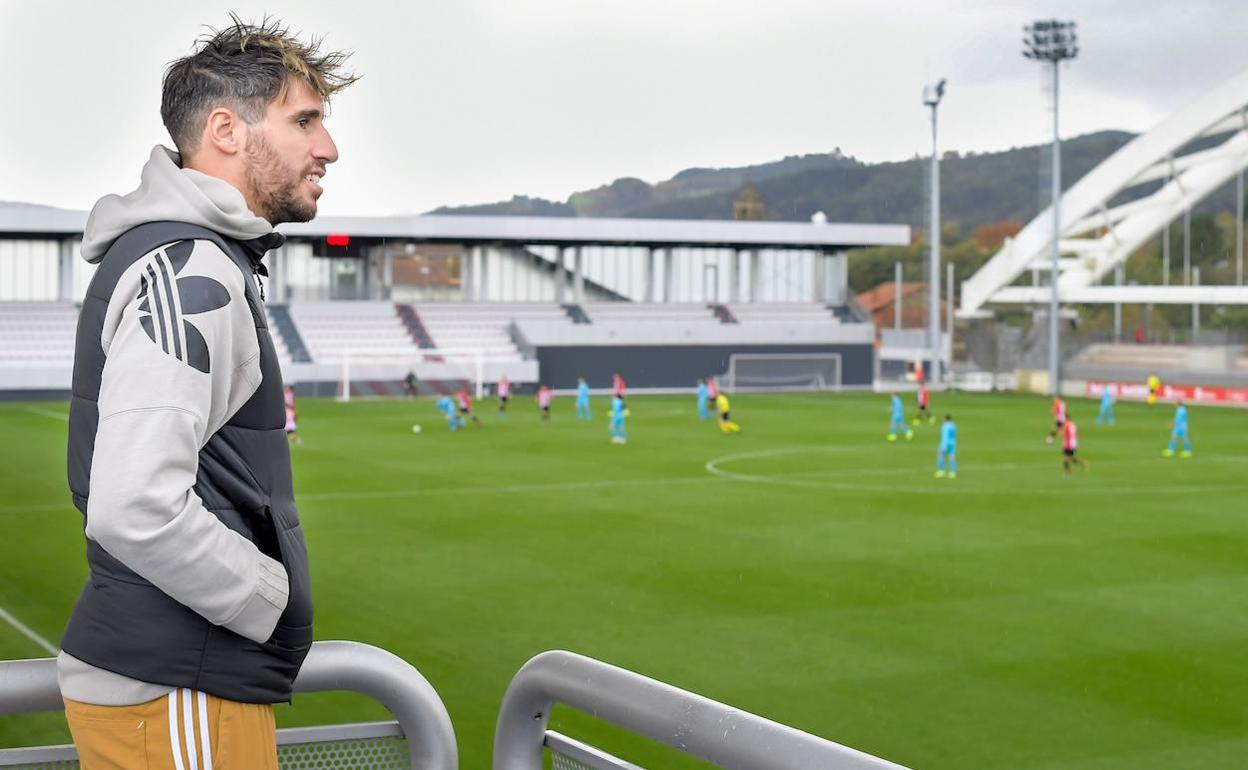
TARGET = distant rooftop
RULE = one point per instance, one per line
(27, 221)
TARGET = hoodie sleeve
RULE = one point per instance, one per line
(181, 358)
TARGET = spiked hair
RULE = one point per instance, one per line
(244, 67)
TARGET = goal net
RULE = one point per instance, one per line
(365, 373)
(782, 372)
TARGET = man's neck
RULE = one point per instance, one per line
(224, 173)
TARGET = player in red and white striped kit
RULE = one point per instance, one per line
(464, 402)
(1070, 445)
(1059, 418)
(924, 398)
(288, 395)
(544, 397)
(503, 390)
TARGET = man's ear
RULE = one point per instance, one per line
(225, 131)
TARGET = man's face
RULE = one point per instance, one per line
(286, 156)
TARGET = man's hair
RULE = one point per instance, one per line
(244, 67)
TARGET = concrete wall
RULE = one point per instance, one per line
(678, 366)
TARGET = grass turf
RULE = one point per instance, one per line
(805, 570)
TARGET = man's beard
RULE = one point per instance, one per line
(273, 186)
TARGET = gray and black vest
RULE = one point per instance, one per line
(124, 624)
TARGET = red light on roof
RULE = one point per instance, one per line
(338, 239)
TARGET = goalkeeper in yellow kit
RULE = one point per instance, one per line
(726, 425)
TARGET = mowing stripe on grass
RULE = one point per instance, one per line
(28, 632)
(48, 413)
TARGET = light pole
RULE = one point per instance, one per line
(1053, 41)
(931, 97)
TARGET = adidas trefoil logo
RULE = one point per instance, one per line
(165, 300)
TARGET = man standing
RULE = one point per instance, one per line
(1070, 447)
(618, 434)
(504, 392)
(923, 413)
(1178, 432)
(197, 615)
(618, 386)
(947, 451)
(1106, 413)
(1059, 419)
(544, 396)
(582, 400)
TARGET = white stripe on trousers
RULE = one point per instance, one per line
(205, 740)
(192, 701)
(188, 729)
(174, 741)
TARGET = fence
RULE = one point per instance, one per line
(421, 737)
(722, 735)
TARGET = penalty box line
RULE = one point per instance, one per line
(28, 632)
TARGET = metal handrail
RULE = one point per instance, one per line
(30, 685)
(720, 734)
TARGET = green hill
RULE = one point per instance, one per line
(977, 188)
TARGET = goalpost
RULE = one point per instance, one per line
(763, 372)
(449, 365)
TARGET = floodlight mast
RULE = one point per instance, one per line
(1053, 41)
(931, 98)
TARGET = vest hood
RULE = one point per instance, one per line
(169, 193)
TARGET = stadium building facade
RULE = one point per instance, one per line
(366, 300)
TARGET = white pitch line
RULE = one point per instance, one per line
(803, 478)
(28, 632)
(48, 413)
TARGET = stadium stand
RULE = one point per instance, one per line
(332, 330)
(1192, 364)
(37, 332)
(286, 337)
(415, 326)
(284, 357)
(605, 312)
(789, 312)
(483, 327)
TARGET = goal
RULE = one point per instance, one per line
(763, 372)
(364, 372)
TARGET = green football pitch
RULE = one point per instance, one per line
(805, 570)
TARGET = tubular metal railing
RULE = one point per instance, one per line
(419, 737)
(722, 735)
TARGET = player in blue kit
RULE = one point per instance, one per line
(897, 419)
(1178, 430)
(447, 407)
(582, 400)
(948, 450)
(704, 395)
(618, 413)
(1106, 414)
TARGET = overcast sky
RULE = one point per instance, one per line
(470, 101)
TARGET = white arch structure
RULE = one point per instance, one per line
(1097, 236)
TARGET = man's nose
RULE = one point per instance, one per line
(325, 150)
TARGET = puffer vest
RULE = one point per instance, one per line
(126, 625)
